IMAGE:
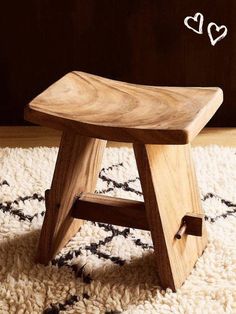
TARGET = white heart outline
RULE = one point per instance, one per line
(218, 28)
(195, 18)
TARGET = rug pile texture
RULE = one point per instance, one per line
(105, 268)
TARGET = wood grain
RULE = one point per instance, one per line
(33, 136)
(103, 108)
(170, 191)
(77, 167)
(111, 210)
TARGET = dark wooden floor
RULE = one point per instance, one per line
(28, 136)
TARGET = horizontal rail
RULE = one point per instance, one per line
(112, 210)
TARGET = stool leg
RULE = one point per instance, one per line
(77, 168)
(170, 191)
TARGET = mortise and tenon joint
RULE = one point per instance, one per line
(161, 122)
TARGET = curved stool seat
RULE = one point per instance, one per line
(117, 111)
(160, 122)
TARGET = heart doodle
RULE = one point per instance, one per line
(218, 29)
(198, 17)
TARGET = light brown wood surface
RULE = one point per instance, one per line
(77, 167)
(164, 168)
(29, 136)
(112, 210)
(170, 191)
(34, 136)
(102, 108)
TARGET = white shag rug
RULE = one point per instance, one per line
(105, 268)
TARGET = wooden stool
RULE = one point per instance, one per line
(160, 122)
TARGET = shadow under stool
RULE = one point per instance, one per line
(160, 122)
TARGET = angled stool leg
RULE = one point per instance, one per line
(170, 191)
(77, 168)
